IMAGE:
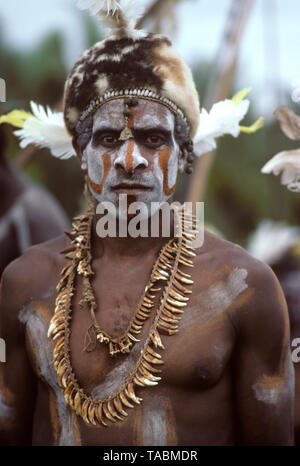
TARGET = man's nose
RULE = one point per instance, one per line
(130, 158)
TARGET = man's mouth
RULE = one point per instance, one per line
(131, 187)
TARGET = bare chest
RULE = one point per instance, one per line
(194, 360)
(194, 357)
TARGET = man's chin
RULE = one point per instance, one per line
(126, 205)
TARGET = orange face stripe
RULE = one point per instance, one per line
(129, 156)
(131, 119)
(97, 188)
(164, 157)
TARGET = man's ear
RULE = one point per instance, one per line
(77, 148)
(80, 153)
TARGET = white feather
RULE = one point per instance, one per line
(271, 240)
(97, 6)
(224, 118)
(119, 16)
(47, 129)
(286, 163)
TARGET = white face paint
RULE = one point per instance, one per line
(153, 168)
(37, 329)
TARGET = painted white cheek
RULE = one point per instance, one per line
(121, 155)
(172, 169)
(95, 165)
(158, 173)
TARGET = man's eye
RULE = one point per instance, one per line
(109, 140)
(154, 140)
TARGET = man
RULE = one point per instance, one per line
(209, 330)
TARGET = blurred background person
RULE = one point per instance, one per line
(28, 213)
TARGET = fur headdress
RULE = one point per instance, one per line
(129, 62)
(132, 61)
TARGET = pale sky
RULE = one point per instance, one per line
(269, 56)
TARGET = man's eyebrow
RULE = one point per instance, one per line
(107, 129)
(157, 129)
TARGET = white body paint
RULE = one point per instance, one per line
(37, 328)
(154, 422)
(6, 411)
(213, 300)
(269, 395)
(112, 382)
(276, 395)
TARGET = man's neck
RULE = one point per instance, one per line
(116, 247)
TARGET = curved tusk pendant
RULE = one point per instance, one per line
(125, 401)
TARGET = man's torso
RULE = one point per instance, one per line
(193, 403)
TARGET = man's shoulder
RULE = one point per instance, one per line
(30, 275)
(220, 252)
(262, 291)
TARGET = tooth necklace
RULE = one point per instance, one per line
(177, 252)
(160, 271)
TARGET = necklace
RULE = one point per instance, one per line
(160, 271)
(147, 369)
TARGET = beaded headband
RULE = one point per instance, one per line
(143, 93)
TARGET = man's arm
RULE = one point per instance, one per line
(264, 374)
(17, 381)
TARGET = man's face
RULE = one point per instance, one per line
(145, 167)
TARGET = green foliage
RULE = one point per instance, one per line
(38, 74)
(238, 195)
